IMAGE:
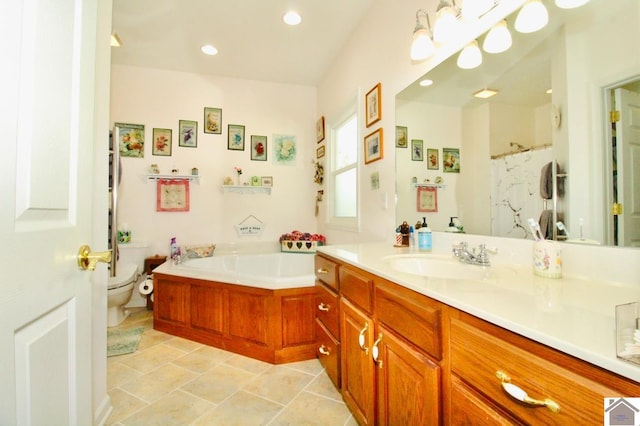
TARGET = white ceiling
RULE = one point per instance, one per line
(252, 40)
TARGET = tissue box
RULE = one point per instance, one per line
(299, 246)
(200, 251)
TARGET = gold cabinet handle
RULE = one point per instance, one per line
(375, 352)
(87, 259)
(324, 351)
(322, 271)
(323, 307)
(520, 395)
(361, 338)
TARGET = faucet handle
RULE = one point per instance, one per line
(483, 256)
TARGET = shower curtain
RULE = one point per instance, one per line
(515, 192)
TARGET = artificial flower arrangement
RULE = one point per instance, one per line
(301, 242)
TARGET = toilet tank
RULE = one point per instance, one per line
(134, 253)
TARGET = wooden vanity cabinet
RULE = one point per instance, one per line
(327, 317)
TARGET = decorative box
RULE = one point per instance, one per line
(299, 246)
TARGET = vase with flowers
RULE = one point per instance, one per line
(301, 242)
(238, 173)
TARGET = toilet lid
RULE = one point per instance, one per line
(125, 274)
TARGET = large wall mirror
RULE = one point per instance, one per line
(548, 118)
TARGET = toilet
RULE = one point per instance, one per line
(129, 273)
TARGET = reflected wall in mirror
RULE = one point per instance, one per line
(506, 140)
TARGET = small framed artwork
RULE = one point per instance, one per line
(320, 130)
(427, 199)
(267, 180)
(417, 150)
(451, 160)
(130, 139)
(235, 137)
(373, 146)
(161, 142)
(401, 137)
(432, 159)
(213, 120)
(188, 131)
(258, 148)
(373, 104)
(285, 150)
(320, 152)
(172, 195)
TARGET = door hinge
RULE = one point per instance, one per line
(614, 116)
(616, 209)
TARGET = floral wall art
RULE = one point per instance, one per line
(284, 149)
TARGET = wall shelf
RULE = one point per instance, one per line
(429, 185)
(247, 189)
(190, 178)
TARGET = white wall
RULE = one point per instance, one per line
(160, 99)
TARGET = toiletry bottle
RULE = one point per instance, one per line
(173, 248)
(425, 240)
(412, 241)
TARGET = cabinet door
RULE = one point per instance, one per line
(356, 331)
(408, 383)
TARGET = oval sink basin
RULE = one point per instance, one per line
(435, 266)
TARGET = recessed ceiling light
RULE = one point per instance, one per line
(426, 82)
(292, 18)
(208, 49)
(485, 93)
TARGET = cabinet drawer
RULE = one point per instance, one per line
(477, 356)
(414, 316)
(328, 353)
(327, 308)
(357, 287)
(327, 271)
(470, 408)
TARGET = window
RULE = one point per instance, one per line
(344, 174)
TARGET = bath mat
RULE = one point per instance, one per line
(120, 342)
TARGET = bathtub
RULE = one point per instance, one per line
(260, 305)
(272, 271)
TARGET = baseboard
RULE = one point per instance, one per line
(103, 412)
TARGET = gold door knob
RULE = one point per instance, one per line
(87, 259)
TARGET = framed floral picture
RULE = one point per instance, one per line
(161, 142)
(373, 104)
(417, 150)
(235, 137)
(130, 139)
(258, 148)
(320, 130)
(188, 132)
(285, 149)
(402, 134)
(451, 160)
(213, 120)
(320, 151)
(373, 146)
(432, 159)
(427, 199)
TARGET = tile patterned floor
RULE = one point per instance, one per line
(174, 381)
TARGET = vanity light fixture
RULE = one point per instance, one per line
(422, 45)
(485, 93)
(498, 38)
(473, 9)
(446, 23)
(532, 17)
(470, 57)
(115, 40)
(208, 49)
(292, 18)
(570, 4)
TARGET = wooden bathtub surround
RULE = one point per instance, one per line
(275, 326)
(405, 358)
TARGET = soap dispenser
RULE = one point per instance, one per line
(452, 225)
(425, 240)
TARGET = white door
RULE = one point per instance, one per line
(46, 121)
(628, 139)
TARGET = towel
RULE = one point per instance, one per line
(546, 224)
(546, 181)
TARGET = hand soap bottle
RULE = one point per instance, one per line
(425, 240)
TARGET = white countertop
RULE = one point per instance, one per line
(571, 314)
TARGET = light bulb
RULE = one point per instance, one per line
(532, 17)
(570, 4)
(292, 18)
(498, 39)
(422, 46)
(446, 23)
(470, 57)
(472, 9)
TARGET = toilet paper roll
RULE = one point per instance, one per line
(146, 287)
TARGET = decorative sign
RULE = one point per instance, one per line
(250, 228)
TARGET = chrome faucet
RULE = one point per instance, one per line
(461, 251)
